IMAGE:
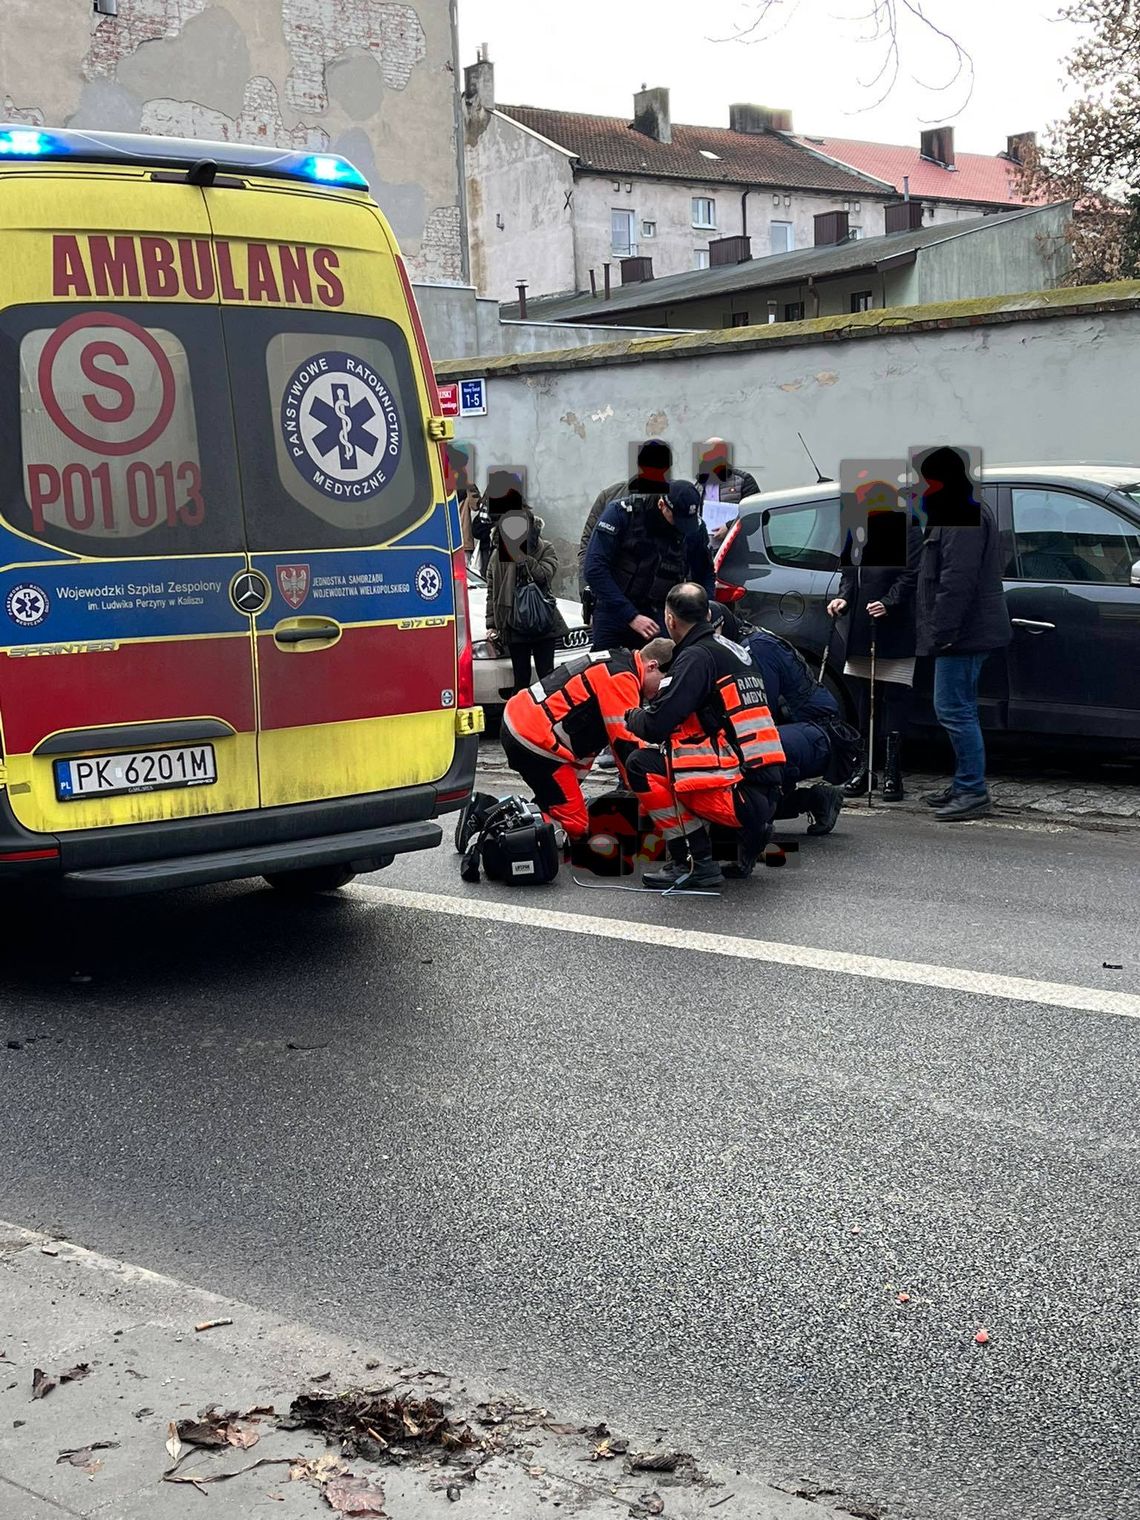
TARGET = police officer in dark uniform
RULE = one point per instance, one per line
(642, 546)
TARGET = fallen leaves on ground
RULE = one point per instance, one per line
(83, 1457)
(661, 1461)
(380, 1429)
(214, 1429)
(350, 1495)
(42, 1385)
(173, 1444)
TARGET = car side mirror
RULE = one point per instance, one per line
(1135, 576)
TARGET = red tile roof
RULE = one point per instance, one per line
(977, 177)
(611, 145)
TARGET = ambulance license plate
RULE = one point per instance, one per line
(143, 770)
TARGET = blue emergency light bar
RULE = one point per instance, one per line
(41, 144)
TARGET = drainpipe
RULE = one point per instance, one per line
(744, 211)
(593, 285)
(606, 279)
(521, 288)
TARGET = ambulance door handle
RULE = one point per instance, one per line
(311, 631)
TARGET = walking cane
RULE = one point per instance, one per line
(871, 728)
(826, 651)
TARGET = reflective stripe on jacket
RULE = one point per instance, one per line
(578, 709)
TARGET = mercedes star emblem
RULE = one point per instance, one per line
(250, 592)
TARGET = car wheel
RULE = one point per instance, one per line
(308, 881)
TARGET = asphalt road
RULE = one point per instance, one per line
(655, 1183)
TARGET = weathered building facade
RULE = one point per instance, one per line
(555, 196)
(372, 79)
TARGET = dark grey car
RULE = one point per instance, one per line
(1070, 537)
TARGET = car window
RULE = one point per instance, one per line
(118, 439)
(804, 536)
(330, 437)
(1060, 536)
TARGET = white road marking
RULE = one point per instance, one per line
(876, 967)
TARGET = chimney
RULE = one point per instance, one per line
(479, 82)
(938, 144)
(729, 250)
(636, 270)
(1015, 146)
(903, 216)
(651, 115)
(755, 120)
(830, 227)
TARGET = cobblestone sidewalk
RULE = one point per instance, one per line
(1050, 796)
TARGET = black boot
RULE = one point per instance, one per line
(857, 786)
(893, 790)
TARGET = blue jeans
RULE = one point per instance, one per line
(956, 708)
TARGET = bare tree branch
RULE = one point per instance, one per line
(884, 23)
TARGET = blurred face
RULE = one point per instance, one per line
(714, 457)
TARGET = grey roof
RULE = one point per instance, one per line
(771, 272)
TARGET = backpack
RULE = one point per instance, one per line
(515, 844)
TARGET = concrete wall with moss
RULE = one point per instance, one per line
(1048, 376)
(372, 79)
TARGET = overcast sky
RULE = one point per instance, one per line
(591, 55)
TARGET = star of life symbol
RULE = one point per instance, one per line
(27, 605)
(341, 426)
(429, 582)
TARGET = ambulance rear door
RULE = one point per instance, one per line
(343, 499)
(126, 669)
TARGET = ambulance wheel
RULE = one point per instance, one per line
(311, 880)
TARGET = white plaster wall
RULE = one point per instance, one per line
(1046, 390)
(461, 325)
(669, 203)
(516, 179)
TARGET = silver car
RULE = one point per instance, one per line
(493, 671)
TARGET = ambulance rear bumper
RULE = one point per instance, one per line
(366, 832)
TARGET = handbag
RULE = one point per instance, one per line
(534, 610)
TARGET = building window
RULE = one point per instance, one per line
(854, 233)
(621, 230)
(793, 311)
(649, 229)
(862, 300)
(704, 211)
(700, 258)
(772, 310)
(739, 319)
(781, 237)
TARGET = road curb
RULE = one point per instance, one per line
(152, 1360)
(598, 783)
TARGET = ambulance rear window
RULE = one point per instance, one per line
(116, 437)
(329, 429)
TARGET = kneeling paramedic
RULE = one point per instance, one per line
(817, 743)
(552, 730)
(720, 759)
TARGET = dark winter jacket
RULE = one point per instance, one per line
(538, 561)
(735, 484)
(637, 486)
(634, 559)
(960, 599)
(794, 695)
(892, 585)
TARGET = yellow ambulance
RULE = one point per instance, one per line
(234, 638)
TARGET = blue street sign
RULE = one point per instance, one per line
(473, 398)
